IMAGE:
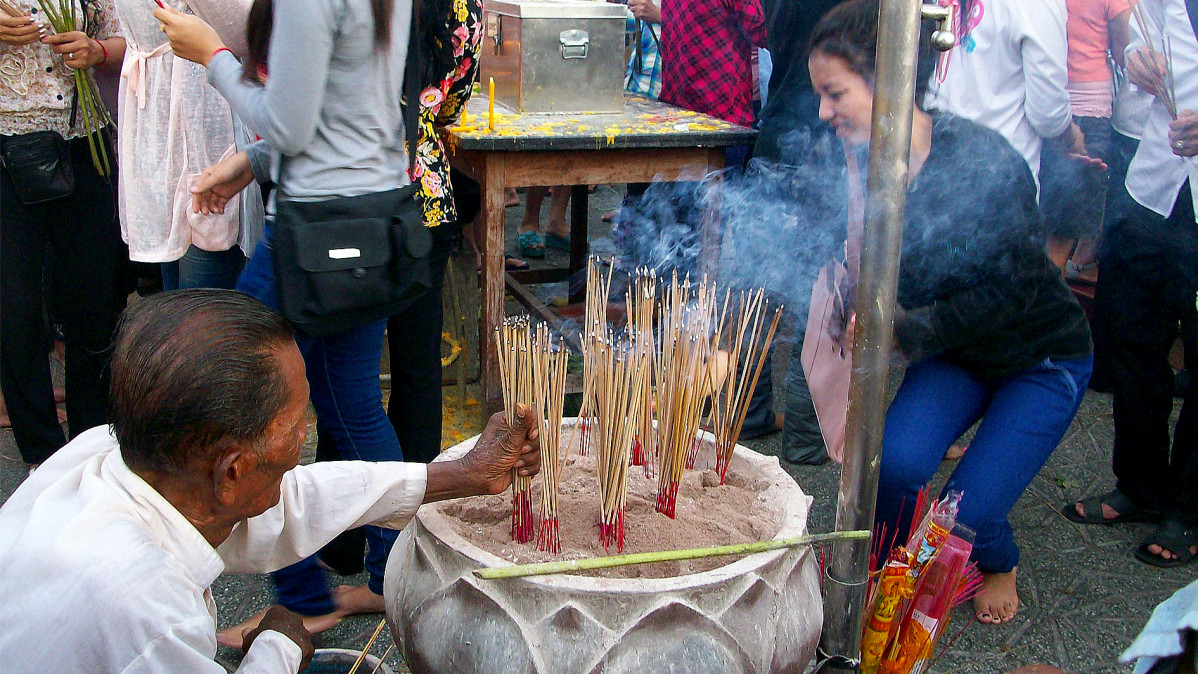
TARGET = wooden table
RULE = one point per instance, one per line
(648, 140)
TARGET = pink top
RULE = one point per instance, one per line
(1087, 29)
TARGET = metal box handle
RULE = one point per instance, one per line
(575, 43)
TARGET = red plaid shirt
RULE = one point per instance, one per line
(705, 50)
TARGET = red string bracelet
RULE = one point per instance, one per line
(105, 50)
(219, 51)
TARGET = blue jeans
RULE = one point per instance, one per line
(343, 374)
(200, 268)
(1024, 416)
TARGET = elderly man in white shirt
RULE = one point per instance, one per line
(108, 550)
(1147, 288)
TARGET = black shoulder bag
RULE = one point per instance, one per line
(39, 165)
(346, 262)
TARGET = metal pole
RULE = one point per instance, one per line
(885, 197)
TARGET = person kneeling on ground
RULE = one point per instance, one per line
(108, 551)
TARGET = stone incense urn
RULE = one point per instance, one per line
(760, 613)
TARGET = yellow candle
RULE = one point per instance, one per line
(491, 104)
(465, 118)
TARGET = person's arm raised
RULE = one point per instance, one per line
(487, 469)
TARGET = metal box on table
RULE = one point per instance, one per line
(564, 56)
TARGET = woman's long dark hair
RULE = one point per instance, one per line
(259, 25)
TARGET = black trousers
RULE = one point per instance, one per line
(414, 342)
(1145, 296)
(82, 233)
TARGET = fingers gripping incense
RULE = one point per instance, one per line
(516, 384)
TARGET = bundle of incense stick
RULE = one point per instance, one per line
(642, 298)
(683, 380)
(549, 377)
(594, 329)
(617, 403)
(1166, 87)
(517, 385)
(747, 342)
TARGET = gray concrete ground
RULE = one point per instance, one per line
(1084, 595)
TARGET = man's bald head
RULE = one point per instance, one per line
(194, 371)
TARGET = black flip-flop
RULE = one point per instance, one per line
(1092, 507)
(1173, 536)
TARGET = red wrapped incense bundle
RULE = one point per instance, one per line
(935, 596)
(895, 585)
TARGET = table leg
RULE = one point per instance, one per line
(493, 182)
(579, 205)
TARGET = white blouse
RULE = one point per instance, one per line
(37, 89)
(100, 573)
(173, 126)
(1155, 176)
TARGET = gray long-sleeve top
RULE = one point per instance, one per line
(330, 108)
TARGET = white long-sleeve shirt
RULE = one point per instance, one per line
(1010, 74)
(100, 573)
(1156, 175)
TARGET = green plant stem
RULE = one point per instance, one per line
(567, 566)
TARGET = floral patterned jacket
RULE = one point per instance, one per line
(440, 106)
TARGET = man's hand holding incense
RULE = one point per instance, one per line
(487, 469)
(1146, 69)
(1183, 134)
(290, 625)
(190, 37)
(221, 182)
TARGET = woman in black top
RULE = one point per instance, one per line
(991, 330)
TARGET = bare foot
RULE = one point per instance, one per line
(955, 452)
(996, 602)
(352, 600)
(1168, 555)
(234, 637)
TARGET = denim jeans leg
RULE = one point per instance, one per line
(343, 373)
(258, 277)
(302, 588)
(210, 269)
(935, 404)
(1027, 416)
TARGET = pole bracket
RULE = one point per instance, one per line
(844, 583)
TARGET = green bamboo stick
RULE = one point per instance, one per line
(570, 565)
